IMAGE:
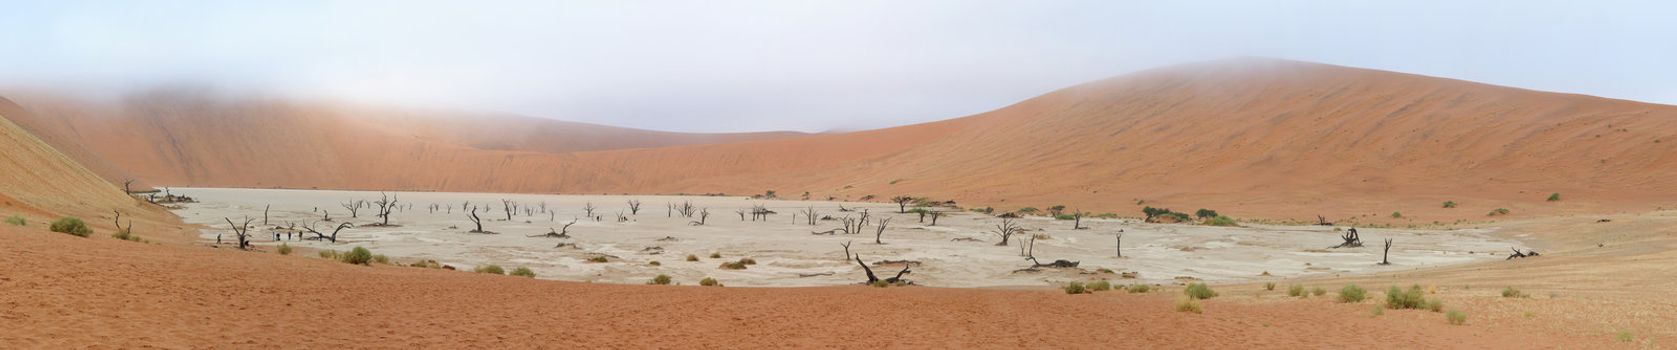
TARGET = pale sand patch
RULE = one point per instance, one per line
(785, 249)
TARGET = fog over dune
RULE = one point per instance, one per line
(797, 65)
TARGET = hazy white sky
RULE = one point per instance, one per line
(801, 65)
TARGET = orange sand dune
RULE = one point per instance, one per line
(1249, 137)
(39, 183)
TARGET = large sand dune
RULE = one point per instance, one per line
(1250, 137)
(40, 183)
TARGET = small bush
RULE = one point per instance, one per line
(357, 256)
(1397, 215)
(1140, 288)
(17, 220)
(1318, 291)
(1206, 213)
(1269, 285)
(1624, 337)
(881, 284)
(1200, 291)
(1456, 317)
(1221, 221)
(733, 265)
(1554, 197)
(284, 249)
(1352, 294)
(1511, 292)
(382, 259)
(71, 225)
(715, 255)
(1076, 288)
(329, 254)
(1498, 211)
(691, 257)
(1100, 286)
(1188, 304)
(490, 269)
(1296, 290)
(1435, 305)
(523, 272)
(1449, 204)
(1379, 310)
(710, 282)
(655, 263)
(429, 264)
(1398, 299)
(1065, 217)
(660, 280)
(748, 261)
(597, 259)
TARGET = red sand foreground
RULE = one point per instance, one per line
(61, 291)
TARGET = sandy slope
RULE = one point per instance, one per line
(1251, 137)
(109, 293)
(41, 184)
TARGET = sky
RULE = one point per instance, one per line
(717, 66)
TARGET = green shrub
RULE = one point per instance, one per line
(748, 261)
(881, 284)
(125, 235)
(1352, 294)
(1397, 215)
(1221, 221)
(691, 257)
(1456, 317)
(1107, 216)
(1028, 210)
(660, 280)
(1140, 288)
(1100, 286)
(1498, 211)
(710, 282)
(523, 272)
(1624, 337)
(1435, 305)
(1511, 292)
(1296, 290)
(715, 255)
(429, 264)
(380, 258)
(1269, 285)
(490, 269)
(1188, 304)
(733, 265)
(1554, 197)
(1398, 299)
(329, 254)
(597, 259)
(1200, 291)
(1449, 204)
(71, 225)
(17, 220)
(1076, 288)
(284, 249)
(655, 263)
(1065, 217)
(357, 256)
(1206, 213)
(1318, 291)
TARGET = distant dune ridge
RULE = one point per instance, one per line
(1248, 137)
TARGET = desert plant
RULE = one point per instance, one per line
(1318, 291)
(1511, 292)
(1456, 317)
(357, 256)
(691, 257)
(523, 272)
(17, 220)
(715, 255)
(490, 269)
(655, 263)
(733, 265)
(1397, 215)
(1205, 213)
(1624, 337)
(1028, 210)
(1100, 286)
(1435, 305)
(710, 282)
(71, 225)
(1188, 304)
(1200, 291)
(329, 254)
(284, 249)
(748, 261)
(881, 284)
(1398, 299)
(1449, 204)
(1498, 211)
(1221, 221)
(1076, 288)
(1352, 294)
(597, 259)
(381, 258)
(429, 264)
(1296, 290)
(1379, 310)
(1269, 285)
(1554, 197)
(659, 280)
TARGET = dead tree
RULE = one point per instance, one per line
(1118, 245)
(242, 232)
(333, 238)
(476, 221)
(588, 209)
(1057, 264)
(507, 206)
(760, 212)
(846, 249)
(811, 216)
(873, 279)
(1351, 239)
(621, 218)
(1387, 253)
(879, 231)
(935, 214)
(354, 208)
(1077, 219)
(1006, 230)
(1031, 251)
(563, 233)
(634, 207)
(686, 209)
(703, 214)
(127, 186)
(741, 212)
(325, 215)
(1323, 221)
(543, 206)
(265, 214)
(902, 203)
(1517, 254)
(385, 204)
